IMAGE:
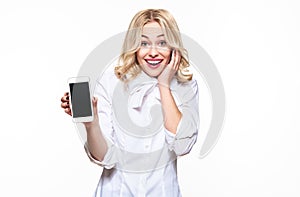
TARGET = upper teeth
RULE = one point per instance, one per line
(153, 62)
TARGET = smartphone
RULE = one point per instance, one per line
(80, 99)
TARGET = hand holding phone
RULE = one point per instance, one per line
(80, 99)
(65, 103)
(170, 70)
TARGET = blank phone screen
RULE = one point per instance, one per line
(80, 98)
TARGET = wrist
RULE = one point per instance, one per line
(163, 85)
(164, 90)
(91, 125)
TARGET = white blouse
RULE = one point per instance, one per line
(141, 156)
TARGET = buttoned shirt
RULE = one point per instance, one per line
(141, 159)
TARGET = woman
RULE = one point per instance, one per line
(153, 66)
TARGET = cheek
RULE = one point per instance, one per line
(167, 56)
(140, 54)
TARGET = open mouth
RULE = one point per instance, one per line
(153, 62)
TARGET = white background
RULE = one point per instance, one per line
(254, 44)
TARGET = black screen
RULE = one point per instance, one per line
(80, 98)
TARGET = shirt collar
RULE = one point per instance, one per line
(141, 86)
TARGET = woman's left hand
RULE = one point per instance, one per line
(170, 70)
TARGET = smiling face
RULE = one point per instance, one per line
(154, 53)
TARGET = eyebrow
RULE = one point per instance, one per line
(160, 35)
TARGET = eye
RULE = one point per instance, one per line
(144, 44)
(162, 43)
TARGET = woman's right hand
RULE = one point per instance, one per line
(65, 103)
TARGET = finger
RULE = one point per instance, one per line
(172, 58)
(95, 101)
(175, 58)
(65, 98)
(177, 61)
(68, 111)
(65, 105)
(66, 94)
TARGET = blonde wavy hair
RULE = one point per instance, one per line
(128, 67)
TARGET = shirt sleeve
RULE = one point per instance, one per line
(187, 130)
(102, 88)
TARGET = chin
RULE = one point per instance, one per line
(153, 71)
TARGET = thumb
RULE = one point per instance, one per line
(95, 101)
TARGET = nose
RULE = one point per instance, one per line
(153, 52)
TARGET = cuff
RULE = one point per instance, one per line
(105, 162)
(170, 137)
